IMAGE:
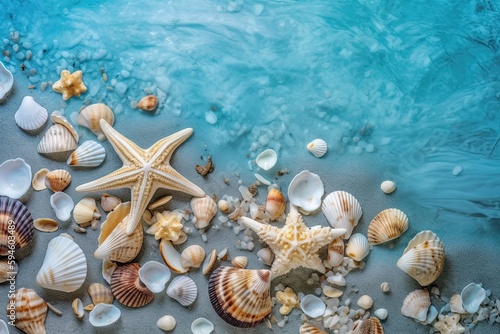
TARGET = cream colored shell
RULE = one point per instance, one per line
(335, 252)
(416, 305)
(317, 147)
(342, 210)
(100, 294)
(91, 115)
(85, 211)
(358, 247)
(46, 225)
(38, 181)
(57, 139)
(192, 256)
(204, 209)
(30, 116)
(240, 262)
(88, 154)
(389, 224)
(310, 329)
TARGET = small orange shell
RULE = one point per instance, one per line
(369, 326)
(148, 103)
(276, 204)
(57, 180)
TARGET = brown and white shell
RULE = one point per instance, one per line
(183, 289)
(416, 305)
(275, 204)
(342, 210)
(148, 103)
(14, 214)
(30, 311)
(91, 115)
(310, 329)
(241, 297)
(387, 225)
(100, 294)
(57, 180)
(7, 268)
(368, 326)
(335, 252)
(204, 209)
(128, 288)
(240, 262)
(192, 256)
(46, 225)
(357, 247)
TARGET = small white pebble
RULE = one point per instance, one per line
(365, 302)
(381, 313)
(388, 187)
(457, 170)
(204, 237)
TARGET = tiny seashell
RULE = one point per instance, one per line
(267, 159)
(317, 147)
(209, 262)
(388, 187)
(202, 326)
(472, 297)
(335, 252)
(365, 302)
(456, 304)
(262, 179)
(108, 267)
(104, 315)
(240, 262)
(367, 326)
(154, 275)
(416, 305)
(30, 116)
(62, 204)
(312, 306)
(275, 204)
(148, 103)
(385, 287)
(12, 210)
(15, 178)
(387, 225)
(57, 139)
(171, 257)
(127, 287)
(204, 209)
(64, 267)
(109, 202)
(8, 268)
(266, 256)
(192, 256)
(381, 313)
(85, 211)
(357, 247)
(77, 307)
(6, 82)
(38, 182)
(88, 154)
(342, 210)
(89, 307)
(45, 225)
(337, 279)
(91, 115)
(183, 289)
(58, 118)
(305, 191)
(310, 329)
(30, 311)
(57, 180)
(100, 294)
(166, 323)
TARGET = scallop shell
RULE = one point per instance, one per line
(64, 267)
(57, 139)
(114, 242)
(416, 305)
(368, 326)
(305, 191)
(335, 252)
(267, 159)
(472, 296)
(241, 297)
(192, 256)
(128, 288)
(100, 294)
(342, 210)
(91, 115)
(38, 182)
(358, 247)
(29, 311)
(167, 323)
(202, 326)
(388, 187)
(240, 262)
(183, 289)
(275, 204)
(6, 81)
(8, 268)
(387, 225)
(104, 315)
(310, 329)
(45, 225)
(62, 205)
(77, 307)
(456, 304)
(30, 116)
(154, 275)
(15, 178)
(420, 237)
(12, 210)
(204, 209)
(148, 103)
(317, 147)
(88, 154)
(57, 180)
(109, 202)
(85, 211)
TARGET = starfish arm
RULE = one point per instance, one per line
(162, 150)
(124, 177)
(141, 194)
(169, 178)
(314, 262)
(128, 151)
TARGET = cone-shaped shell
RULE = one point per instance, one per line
(15, 178)
(241, 297)
(100, 294)
(416, 305)
(91, 115)
(317, 147)
(342, 210)
(148, 103)
(114, 242)
(204, 209)
(30, 116)
(368, 326)
(183, 289)
(310, 329)
(387, 225)
(88, 154)
(335, 252)
(14, 214)
(128, 288)
(275, 204)
(192, 256)
(64, 267)
(85, 211)
(358, 247)
(57, 139)
(57, 180)
(29, 310)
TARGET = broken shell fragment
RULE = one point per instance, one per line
(472, 297)
(104, 315)
(85, 211)
(385, 287)
(416, 305)
(275, 204)
(267, 159)
(159, 202)
(30, 311)
(15, 178)
(100, 294)
(30, 116)
(266, 256)
(202, 326)
(357, 247)
(312, 306)
(305, 191)
(88, 154)
(183, 289)
(388, 187)
(57, 180)
(154, 275)
(91, 115)
(108, 267)
(204, 209)
(317, 147)
(62, 204)
(77, 307)
(109, 202)
(209, 262)
(58, 118)
(148, 103)
(38, 182)
(310, 329)
(342, 210)
(192, 256)
(12, 210)
(166, 323)
(128, 288)
(387, 225)
(289, 299)
(45, 225)
(171, 257)
(367, 326)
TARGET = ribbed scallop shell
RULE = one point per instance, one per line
(456, 305)
(358, 247)
(317, 147)
(88, 154)
(57, 139)
(342, 210)
(420, 237)
(192, 256)
(91, 115)
(64, 267)
(12, 210)
(85, 211)
(240, 262)
(204, 209)
(275, 204)
(7, 268)
(128, 288)
(30, 116)
(310, 329)
(30, 311)
(114, 242)
(57, 180)
(183, 289)
(241, 297)
(387, 225)
(416, 305)
(100, 294)
(335, 252)
(58, 118)
(368, 326)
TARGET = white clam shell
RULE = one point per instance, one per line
(266, 256)
(472, 297)
(30, 116)
(305, 191)
(154, 275)
(183, 289)
(342, 210)
(91, 115)
(88, 154)
(204, 209)
(267, 159)
(15, 178)
(335, 252)
(64, 267)
(192, 256)
(358, 247)
(62, 205)
(312, 306)
(104, 315)
(416, 305)
(58, 118)
(6, 81)
(85, 211)
(202, 326)
(166, 323)
(57, 139)
(388, 187)
(317, 147)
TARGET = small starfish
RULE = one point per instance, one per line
(449, 324)
(294, 245)
(143, 171)
(70, 84)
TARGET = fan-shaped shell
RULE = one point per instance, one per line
(357, 247)
(305, 191)
(29, 311)
(85, 211)
(64, 267)
(7, 268)
(30, 116)
(104, 315)
(241, 297)
(100, 294)
(154, 275)
(57, 139)
(420, 237)
(240, 262)
(275, 204)
(456, 304)
(62, 205)
(310, 329)
(416, 305)
(387, 225)
(183, 289)
(368, 326)
(128, 288)
(148, 103)
(335, 252)
(58, 118)
(91, 115)
(342, 210)
(192, 256)
(38, 182)
(14, 214)
(6, 81)
(472, 296)
(317, 147)
(114, 242)
(57, 180)
(88, 154)
(15, 178)
(204, 209)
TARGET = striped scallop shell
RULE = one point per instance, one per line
(30, 311)
(342, 211)
(416, 305)
(241, 297)
(358, 247)
(183, 289)
(57, 180)
(387, 225)
(420, 237)
(335, 252)
(310, 329)
(317, 147)
(240, 262)
(64, 267)
(30, 116)
(204, 209)
(100, 294)
(128, 288)
(91, 115)
(57, 139)
(12, 210)
(88, 154)
(368, 326)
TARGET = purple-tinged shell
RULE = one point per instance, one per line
(16, 225)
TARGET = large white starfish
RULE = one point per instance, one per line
(143, 171)
(294, 245)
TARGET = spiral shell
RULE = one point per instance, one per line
(128, 288)
(91, 115)
(14, 214)
(29, 311)
(342, 210)
(204, 209)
